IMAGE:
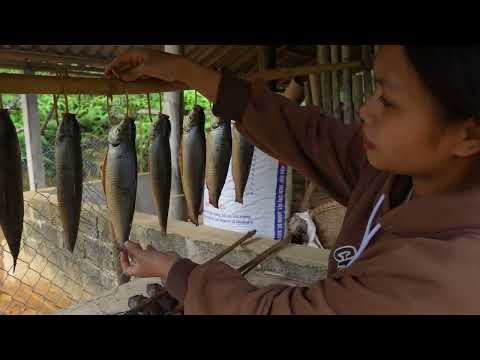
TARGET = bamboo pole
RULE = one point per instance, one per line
(367, 73)
(173, 105)
(357, 95)
(347, 87)
(323, 57)
(337, 114)
(34, 84)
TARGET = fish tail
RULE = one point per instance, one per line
(239, 198)
(213, 200)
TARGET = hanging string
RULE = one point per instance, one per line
(149, 108)
(128, 107)
(1, 102)
(195, 97)
(55, 108)
(62, 77)
(66, 103)
(79, 103)
(160, 100)
(109, 111)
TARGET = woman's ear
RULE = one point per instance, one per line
(469, 143)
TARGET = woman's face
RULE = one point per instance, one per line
(403, 130)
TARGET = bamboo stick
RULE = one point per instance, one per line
(323, 57)
(347, 86)
(357, 95)
(337, 114)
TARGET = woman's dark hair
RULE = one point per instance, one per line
(452, 74)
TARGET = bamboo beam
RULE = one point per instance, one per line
(336, 110)
(347, 86)
(34, 84)
(323, 57)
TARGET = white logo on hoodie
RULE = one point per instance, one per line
(343, 255)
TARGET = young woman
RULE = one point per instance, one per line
(409, 176)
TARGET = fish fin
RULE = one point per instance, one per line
(103, 168)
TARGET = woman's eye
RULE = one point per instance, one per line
(385, 102)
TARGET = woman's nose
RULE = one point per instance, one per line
(365, 111)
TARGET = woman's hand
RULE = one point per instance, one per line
(141, 263)
(135, 63)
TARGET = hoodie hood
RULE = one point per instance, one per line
(430, 214)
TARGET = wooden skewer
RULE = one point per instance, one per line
(245, 269)
(233, 246)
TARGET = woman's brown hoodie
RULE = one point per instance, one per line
(424, 259)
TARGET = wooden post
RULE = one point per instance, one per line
(347, 87)
(323, 57)
(33, 143)
(334, 53)
(173, 107)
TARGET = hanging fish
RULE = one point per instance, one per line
(219, 152)
(11, 185)
(242, 155)
(193, 161)
(120, 179)
(160, 165)
(68, 161)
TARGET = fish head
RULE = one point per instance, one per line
(68, 127)
(196, 118)
(161, 127)
(217, 122)
(123, 132)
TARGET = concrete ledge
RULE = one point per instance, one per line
(201, 243)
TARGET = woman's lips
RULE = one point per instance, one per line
(367, 143)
